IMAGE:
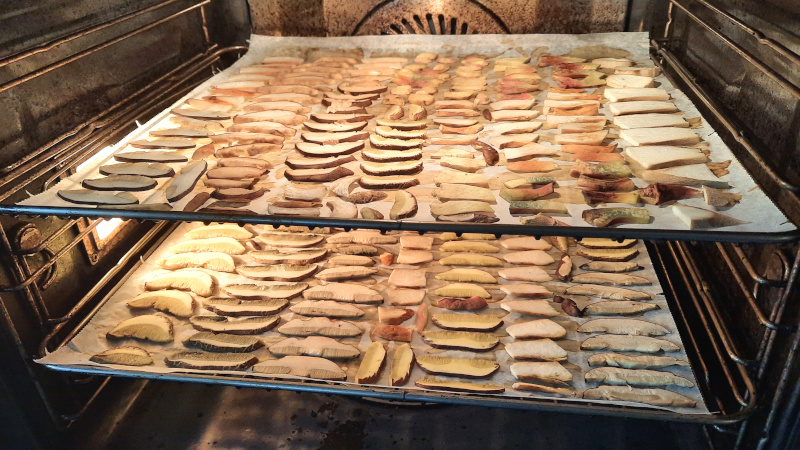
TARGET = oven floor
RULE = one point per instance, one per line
(154, 415)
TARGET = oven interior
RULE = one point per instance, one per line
(118, 63)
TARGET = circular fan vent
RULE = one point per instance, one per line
(430, 17)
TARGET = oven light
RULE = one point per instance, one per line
(106, 228)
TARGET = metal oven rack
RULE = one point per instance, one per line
(728, 377)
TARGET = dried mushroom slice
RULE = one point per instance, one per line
(625, 343)
(461, 340)
(235, 307)
(462, 304)
(467, 259)
(195, 281)
(345, 273)
(370, 369)
(242, 326)
(219, 230)
(623, 326)
(295, 240)
(290, 255)
(611, 266)
(274, 290)
(459, 367)
(539, 349)
(467, 276)
(326, 308)
(528, 273)
(150, 327)
(345, 292)
(278, 272)
(177, 303)
(459, 386)
(606, 243)
(656, 397)
(124, 356)
(469, 247)
(151, 170)
(219, 262)
(90, 197)
(393, 315)
(184, 182)
(613, 293)
(639, 377)
(529, 257)
(618, 307)
(391, 332)
(402, 363)
(608, 254)
(524, 290)
(405, 206)
(302, 366)
(320, 326)
(536, 329)
(223, 343)
(320, 346)
(613, 279)
(120, 183)
(226, 245)
(549, 371)
(462, 290)
(529, 307)
(635, 361)
(466, 322)
(211, 361)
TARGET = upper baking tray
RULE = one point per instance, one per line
(771, 224)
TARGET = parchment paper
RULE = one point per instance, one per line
(755, 204)
(92, 340)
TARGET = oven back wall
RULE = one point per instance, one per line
(346, 18)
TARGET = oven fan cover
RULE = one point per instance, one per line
(430, 17)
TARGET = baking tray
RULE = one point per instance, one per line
(73, 356)
(772, 226)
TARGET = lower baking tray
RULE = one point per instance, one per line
(73, 356)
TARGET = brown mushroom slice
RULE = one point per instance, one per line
(345, 273)
(392, 315)
(391, 332)
(459, 386)
(408, 278)
(609, 292)
(467, 276)
(466, 322)
(120, 183)
(302, 366)
(460, 367)
(389, 169)
(90, 197)
(319, 346)
(388, 182)
(460, 207)
(235, 307)
(152, 170)
(150, 327)
(651, 396)
(290, 255)
(539, 349)
(405, 206)
(235, 173)
(201, 114)
(387, 156)
(335, 137)
(608, 254)
(326, 308)
(345, 292)
(462, 304)
(524, 290)
(223, 343)
(210, 361)
(613, 279)
(639, 377)
(217, 261)
(631, 327)
(472, 179)
(320, 326)
(385, 143)
(359, 198)
(370, 369)
(635, 361)
(125, 356)
(162, 143)
(237, 326)
(461, 340)
(463, 259)
(361, 237)
(402, 125)
(318, 175)
(358, 249)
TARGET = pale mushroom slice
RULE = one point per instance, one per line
(124, 356)
(320, 326)
(326, 308)
(370, 369)
(467, 276)
(414, 257)
(651, 396)
(549, 371)
(608, 254)
(90, 197)
(536, 329)
(211, 361)
(408, 278)
(290, 255)
(388, 182)
(530, 307)
(343, 292)
(528, 273)
(459, 367)
(635, 377)
(611, 266)
(405, 297)
(461, 340)
(324, 150)
(225, 245)
(459, 386)
(177, 303)
(402, 363)
(217, 261)
(614, 279)
(618, 307)
(631, 327)
(466, 322)
(469, 259)
(539, 349)
(361, 237)
(625, 343)
(302, 366)
(529, 257)
(223, 343)
(350, 260)
(235, 307)
(277, 272)
(273, 290)
(345, 273)
(318, 175)
(635, 361)
(462, 290)
(149, 327)
(319, 346)
(525, 243)
(236, 325)
(609, 292)
(195, 281)
(293, 240)
(230, 230)
(453, 192)
(405, 206)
